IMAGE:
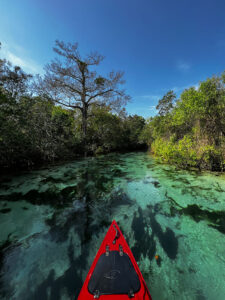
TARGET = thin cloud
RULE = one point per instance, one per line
(196, 86)
(151, 97)
(152, 108)
(183, 66)
(16, 55)
(180, 89)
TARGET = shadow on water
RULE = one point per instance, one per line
(5, 210)
(53, 289)
(73, 211)
(145, 243)
(95, 178)
(53, 286)
(167, 239)
(216, 218)
(5, 249)
(83, 197)
(81, 222)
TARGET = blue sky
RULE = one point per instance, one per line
(159, 44)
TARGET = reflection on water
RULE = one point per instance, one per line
(53, 221)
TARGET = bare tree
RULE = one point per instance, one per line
(71, 81)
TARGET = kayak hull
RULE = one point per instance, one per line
(114, 243)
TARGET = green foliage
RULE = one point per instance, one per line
(180, 153)
(192, 133)
(109, 132)
(165, 104)
(35, 130)
(103, 131)
(13, 80)
(134, 126)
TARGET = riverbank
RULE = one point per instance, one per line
(17, 170)
(189, 131)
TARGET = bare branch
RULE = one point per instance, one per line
(71, 81)
(99, 94)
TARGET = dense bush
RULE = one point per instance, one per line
(33, 130)
(37, 127)
(190, 132)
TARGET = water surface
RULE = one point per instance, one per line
(53, 221)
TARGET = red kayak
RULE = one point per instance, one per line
(114, 273)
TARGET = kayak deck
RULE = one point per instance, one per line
(114, 273)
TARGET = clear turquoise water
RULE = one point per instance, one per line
(52, 223)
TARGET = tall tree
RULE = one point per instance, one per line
(165, 104)
(71, 81)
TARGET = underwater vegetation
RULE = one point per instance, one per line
(53, 221)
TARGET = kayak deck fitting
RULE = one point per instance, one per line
(114, 273)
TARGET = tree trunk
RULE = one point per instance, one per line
(84, 129)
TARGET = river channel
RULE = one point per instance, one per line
(52, 222)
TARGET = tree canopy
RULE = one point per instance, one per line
(191, 132)
(76, 111)
(48, 125)
(72, 81)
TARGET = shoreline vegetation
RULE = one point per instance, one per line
(72, 112)
(69, 112)
(190, 131)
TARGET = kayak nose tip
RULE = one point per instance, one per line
(114, 222)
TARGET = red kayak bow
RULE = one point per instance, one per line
(114, 273)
